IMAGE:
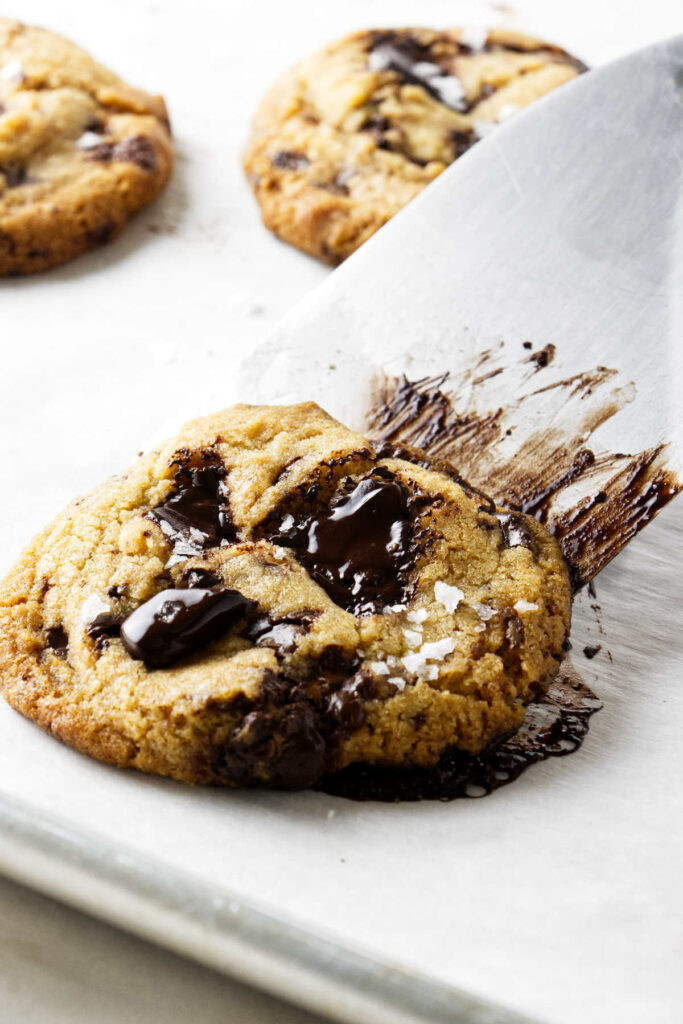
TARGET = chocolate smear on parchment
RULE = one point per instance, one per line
(530, 451)
(554, 725)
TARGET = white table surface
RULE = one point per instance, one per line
(79, 395)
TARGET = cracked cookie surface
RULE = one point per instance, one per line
(80, 151)
(270, 597)
(350, 135)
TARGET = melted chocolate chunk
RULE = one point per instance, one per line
(359, 549)
(174, 623)
(285, 745)
(57, 640)
(103, 627)
(135, 150)
(197, 515)
(280, 634)
(290, 160)
(554, 726)
(290, 732)
(346, 704)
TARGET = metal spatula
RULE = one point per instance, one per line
(524, 316)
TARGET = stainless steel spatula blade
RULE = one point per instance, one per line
(524, 316)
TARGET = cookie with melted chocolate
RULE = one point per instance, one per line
(270, 598)
(350, 135)
(80, 151)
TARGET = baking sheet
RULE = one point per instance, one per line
(558, 896)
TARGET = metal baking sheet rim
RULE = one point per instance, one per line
(223, 931)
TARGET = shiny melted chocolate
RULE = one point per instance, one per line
(174, 623)
(197, 514)
(554, 726)
(359, 549)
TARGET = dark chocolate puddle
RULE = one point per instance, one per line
(554, 726)
(617, 493)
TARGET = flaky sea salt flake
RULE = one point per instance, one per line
(418, 616)
(412, 637)
(437, 649)
(450, 597)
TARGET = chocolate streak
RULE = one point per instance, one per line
(612, 496)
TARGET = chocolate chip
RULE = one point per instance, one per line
(57, 640)
(591, 650)
(290, 160)
(514, 630)
(137, 149)
(201, 578)
(346, 705)
(103, 628)
(360, 548)
(516, 531)
(174, 623)
(197, 514)
(462, 141)
(101, 233)
(117, 591)
(14, 175)
(94, 124)
(335, 187)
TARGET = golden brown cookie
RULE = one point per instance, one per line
(270, 597)
(350, 135)
(80, 151)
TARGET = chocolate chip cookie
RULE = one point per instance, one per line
(80, 151)
(352, 134)
(270, 597)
